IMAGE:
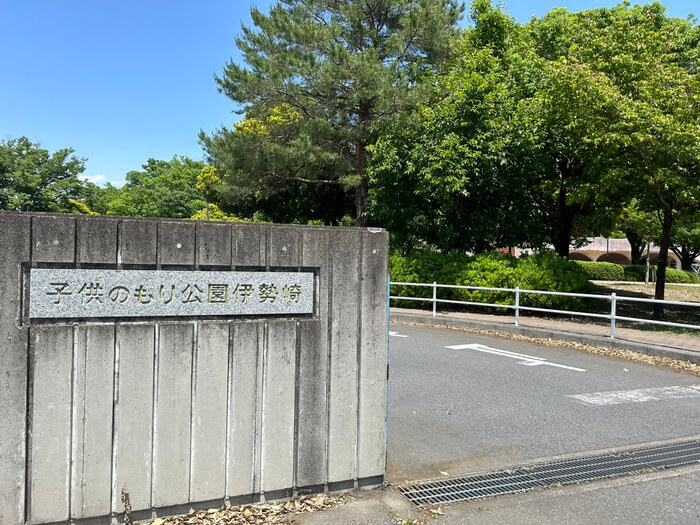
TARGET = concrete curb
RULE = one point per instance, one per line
(594, 340)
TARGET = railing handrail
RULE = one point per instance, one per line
(613, 298)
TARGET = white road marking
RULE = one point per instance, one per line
(396, 334)
(619, 397)
(527, 360)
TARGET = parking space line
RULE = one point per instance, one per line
(527, 360)
(619, 397)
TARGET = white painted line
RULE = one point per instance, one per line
(619, 397)
(396, 334)
(527, 360)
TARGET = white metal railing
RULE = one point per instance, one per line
(517, 307)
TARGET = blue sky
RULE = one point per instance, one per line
(124, 80)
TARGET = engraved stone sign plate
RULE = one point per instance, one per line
(77, 293)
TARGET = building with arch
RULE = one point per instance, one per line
(617, 251)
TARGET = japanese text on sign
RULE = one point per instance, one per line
(75, 293)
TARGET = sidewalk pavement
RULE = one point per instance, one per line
(666, 497)
(676, 346)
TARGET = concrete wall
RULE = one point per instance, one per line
(187, 412)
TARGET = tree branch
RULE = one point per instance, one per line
(310, 181)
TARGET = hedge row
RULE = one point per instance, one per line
(544, 271)
(605, 271)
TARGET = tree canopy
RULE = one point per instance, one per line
(320, 78)
(549, 129)
(33, 179)
(162, 189)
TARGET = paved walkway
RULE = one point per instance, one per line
(683, 342)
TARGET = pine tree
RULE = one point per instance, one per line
(320, 78)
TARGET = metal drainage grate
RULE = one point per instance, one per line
(554, 473)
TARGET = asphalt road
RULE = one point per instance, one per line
(477, 408)
(492, 403)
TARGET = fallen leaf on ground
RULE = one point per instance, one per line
(253, 514)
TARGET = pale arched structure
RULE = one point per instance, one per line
(617, 258)
(575, 256)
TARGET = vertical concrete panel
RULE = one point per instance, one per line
(53, 241)
(15, 242)
(313, 366)
(250, 244)
(208, 475)
(176, 243)
(278, 407)
(137, 242)
(134, 416)
(372, 404)
(91, 471)
(53, 238)
(171, 460)
(313, 406)
(52, 362)
(283, 246)
(97, 240)
(245, 354)
(213, 244)
(342, 438)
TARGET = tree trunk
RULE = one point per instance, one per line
(646, 275)
(361, 158)
(360, 202)
(563, 240)
(686, 255)
(663, 261)
(562, 237)
(637, 245)
(636, 251)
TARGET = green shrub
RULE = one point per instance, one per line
(549, 272)
(424, 267)
(635, 272)
(602, 271)
(546, 271)
(681, 276)
(491, 270)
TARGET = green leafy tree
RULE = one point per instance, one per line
(320, 79)
(214, 214)
(453, 169)
(591, 109)
(163, 189)
(641, 229)
(450, 179)
(647, 146)
(685, 239)
(96, 198)
(658, 137)
(33, 179)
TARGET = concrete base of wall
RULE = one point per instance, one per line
(370, 483)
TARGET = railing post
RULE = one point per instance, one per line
(613, 302)
(517, 306)
(434, 298)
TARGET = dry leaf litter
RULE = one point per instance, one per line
(253, 514)
(655, 360)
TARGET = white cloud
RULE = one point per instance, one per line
(95, 179)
